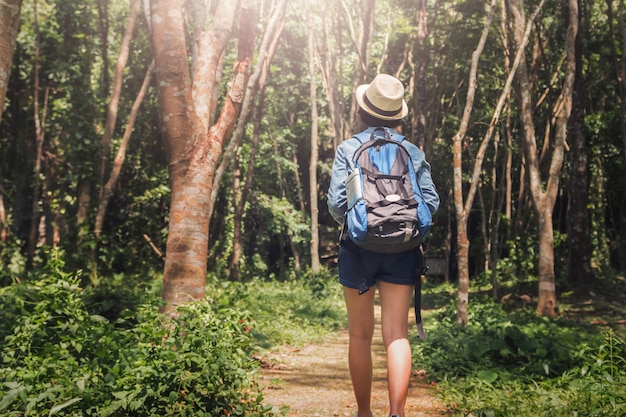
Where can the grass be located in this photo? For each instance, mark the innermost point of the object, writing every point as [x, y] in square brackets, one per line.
[285, 312]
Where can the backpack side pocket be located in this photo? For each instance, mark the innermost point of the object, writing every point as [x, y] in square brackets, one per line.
[354, 188]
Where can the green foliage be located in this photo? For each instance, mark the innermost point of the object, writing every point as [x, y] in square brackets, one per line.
[12, 260]
[499, 343]
[513, 363]
[59, 358]
[295, 312]
[595, 387]
[522, 258]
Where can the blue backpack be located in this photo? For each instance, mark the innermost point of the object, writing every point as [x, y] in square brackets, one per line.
[386, 208]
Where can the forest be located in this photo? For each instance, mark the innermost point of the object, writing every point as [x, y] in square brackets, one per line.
[164, 166]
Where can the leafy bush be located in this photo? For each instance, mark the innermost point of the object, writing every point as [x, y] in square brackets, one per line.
[513, 363]
[12, 261]
[59, 359]
[596, 387]
[498, 343]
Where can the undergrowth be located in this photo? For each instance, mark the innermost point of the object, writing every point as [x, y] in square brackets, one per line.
[68, 350]
[84, 351]
[508, 362]
[285, 312]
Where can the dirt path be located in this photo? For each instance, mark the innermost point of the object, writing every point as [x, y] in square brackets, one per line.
[314, 381]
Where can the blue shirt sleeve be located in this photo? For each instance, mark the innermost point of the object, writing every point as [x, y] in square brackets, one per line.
[337, 201]
[424, 178]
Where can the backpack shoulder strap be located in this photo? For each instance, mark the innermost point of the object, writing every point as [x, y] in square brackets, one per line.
[371, 138]
[364, 137]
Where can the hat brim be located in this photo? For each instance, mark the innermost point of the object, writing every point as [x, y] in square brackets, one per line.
[360, 93]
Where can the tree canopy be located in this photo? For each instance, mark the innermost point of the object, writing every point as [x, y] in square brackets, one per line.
[88, 162]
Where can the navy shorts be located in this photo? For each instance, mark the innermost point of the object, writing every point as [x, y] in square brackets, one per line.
[361, 269]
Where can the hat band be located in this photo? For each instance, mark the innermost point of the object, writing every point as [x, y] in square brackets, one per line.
[378, 110]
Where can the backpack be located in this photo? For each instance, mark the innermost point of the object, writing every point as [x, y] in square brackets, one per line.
[386, 209]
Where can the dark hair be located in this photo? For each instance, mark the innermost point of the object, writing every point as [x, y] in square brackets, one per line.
[373, 121]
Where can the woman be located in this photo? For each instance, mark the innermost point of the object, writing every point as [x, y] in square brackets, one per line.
[381, 104]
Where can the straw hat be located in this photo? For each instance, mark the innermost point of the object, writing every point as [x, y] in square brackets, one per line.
[383, 98]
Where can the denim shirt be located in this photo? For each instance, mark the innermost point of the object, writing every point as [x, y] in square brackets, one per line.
[337, 201]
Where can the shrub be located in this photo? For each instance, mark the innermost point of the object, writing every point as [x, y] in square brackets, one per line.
[510, 364]
[597, 387]
[59, 359]
[499, 343]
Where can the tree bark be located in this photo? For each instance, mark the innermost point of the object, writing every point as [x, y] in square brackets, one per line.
[103, 23]
[313, 192]
[361, 42]
[266, 53]
[10, 11]
[419, 128]
[120, 157]
[329, 61]
[4, 227]
[508, 180]
[234, 270]
[84, 203]
[620, 65]
[39, 117]
[462, 209]
[193, 148]
[543, 202]
[116, 92]
[185, 263]
[578, 226]
[240, 203]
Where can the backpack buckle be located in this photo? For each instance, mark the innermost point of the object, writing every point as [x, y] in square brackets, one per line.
[408, 230]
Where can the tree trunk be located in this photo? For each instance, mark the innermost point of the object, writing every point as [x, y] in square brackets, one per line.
[269, 43]
[39, 117]
[10, 11]
[462, 208]
[120, 157]
[4, 227]
[82, 214]
[508, 180]
[419, 126]
[618, 50]
[116, 92]
[299, 193]
[185, 261]
[328, 64]
[544, 201]
[462, 241]
[501, 195]
[234, 270]
[547, 285]
[447, 249]
[103, 23]
[313, 192]
[235, 267]
[361, 42]
[193, 148]
[578, 227]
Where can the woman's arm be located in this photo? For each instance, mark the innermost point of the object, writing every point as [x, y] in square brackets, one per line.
[424, 179]
[337, 201]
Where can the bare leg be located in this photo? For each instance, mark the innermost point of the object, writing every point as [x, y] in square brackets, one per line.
[395, 301]
[361, 330]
